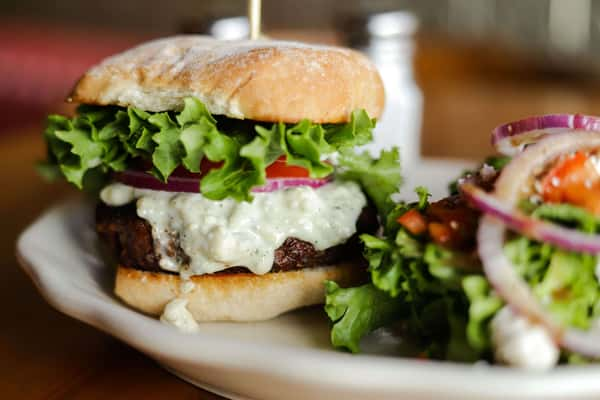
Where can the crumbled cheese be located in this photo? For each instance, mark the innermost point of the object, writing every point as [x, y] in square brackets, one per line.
[487, 172]
[520, 343]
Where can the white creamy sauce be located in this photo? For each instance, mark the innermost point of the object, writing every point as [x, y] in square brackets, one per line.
[220, 234]
[520, 343]
[187, 286]
[117, 194]
[177, 315]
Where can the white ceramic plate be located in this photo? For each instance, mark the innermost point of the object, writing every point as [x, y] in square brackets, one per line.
[288, 357]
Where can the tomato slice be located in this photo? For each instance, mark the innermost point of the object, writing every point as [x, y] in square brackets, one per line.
[575, 179]
[279, 169]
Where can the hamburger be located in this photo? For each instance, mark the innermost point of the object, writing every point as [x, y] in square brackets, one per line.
[229, 185]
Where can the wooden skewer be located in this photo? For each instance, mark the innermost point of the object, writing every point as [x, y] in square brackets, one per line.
[254, 11]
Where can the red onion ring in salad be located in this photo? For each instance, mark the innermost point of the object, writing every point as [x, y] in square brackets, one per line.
[508, 284]
[144, 180]
[502, 275]
[566, 238]
[509, 139]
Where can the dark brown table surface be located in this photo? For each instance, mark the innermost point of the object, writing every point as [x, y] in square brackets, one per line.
[46, 355]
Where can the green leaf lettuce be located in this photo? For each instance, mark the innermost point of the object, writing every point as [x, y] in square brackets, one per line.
[103, 139]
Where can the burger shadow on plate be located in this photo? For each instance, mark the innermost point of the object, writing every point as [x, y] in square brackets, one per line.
[81, 230]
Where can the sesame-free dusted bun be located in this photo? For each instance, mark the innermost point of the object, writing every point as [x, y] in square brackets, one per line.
[262, 80]
[235, 296]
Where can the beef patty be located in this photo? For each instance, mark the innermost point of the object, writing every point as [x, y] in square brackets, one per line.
[129, 238]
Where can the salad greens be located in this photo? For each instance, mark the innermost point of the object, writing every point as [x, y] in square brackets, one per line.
[358, 311]
[436, 297]
[85, 149]
[420, 279]
[379, 178]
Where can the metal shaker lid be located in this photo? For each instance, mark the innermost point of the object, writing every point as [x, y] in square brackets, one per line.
[230, 28]
[358, 31]
[392, 24]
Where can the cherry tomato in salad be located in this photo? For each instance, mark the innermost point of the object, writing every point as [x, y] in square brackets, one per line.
[449, 222]
[413, 221]
[574, 179]
[453, 223]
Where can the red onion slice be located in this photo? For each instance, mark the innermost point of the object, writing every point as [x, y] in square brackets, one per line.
[502, 275]
[569, 239]
[509, 139]
[283, 183]
[144, 180]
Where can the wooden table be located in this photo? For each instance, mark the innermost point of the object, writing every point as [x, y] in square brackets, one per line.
[46, 355]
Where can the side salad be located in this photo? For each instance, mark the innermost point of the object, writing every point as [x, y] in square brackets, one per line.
[504, 269]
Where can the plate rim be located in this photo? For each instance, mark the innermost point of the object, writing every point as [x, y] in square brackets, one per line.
[394, 374]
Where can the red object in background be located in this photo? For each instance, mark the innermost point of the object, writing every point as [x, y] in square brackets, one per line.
[39, 64]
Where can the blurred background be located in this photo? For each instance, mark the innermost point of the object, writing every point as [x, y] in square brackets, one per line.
[453, 70]
[477, 63]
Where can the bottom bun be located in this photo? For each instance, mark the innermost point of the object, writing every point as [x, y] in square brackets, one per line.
[233, 297]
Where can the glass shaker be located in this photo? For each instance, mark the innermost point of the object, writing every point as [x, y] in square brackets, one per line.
[387, 39]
